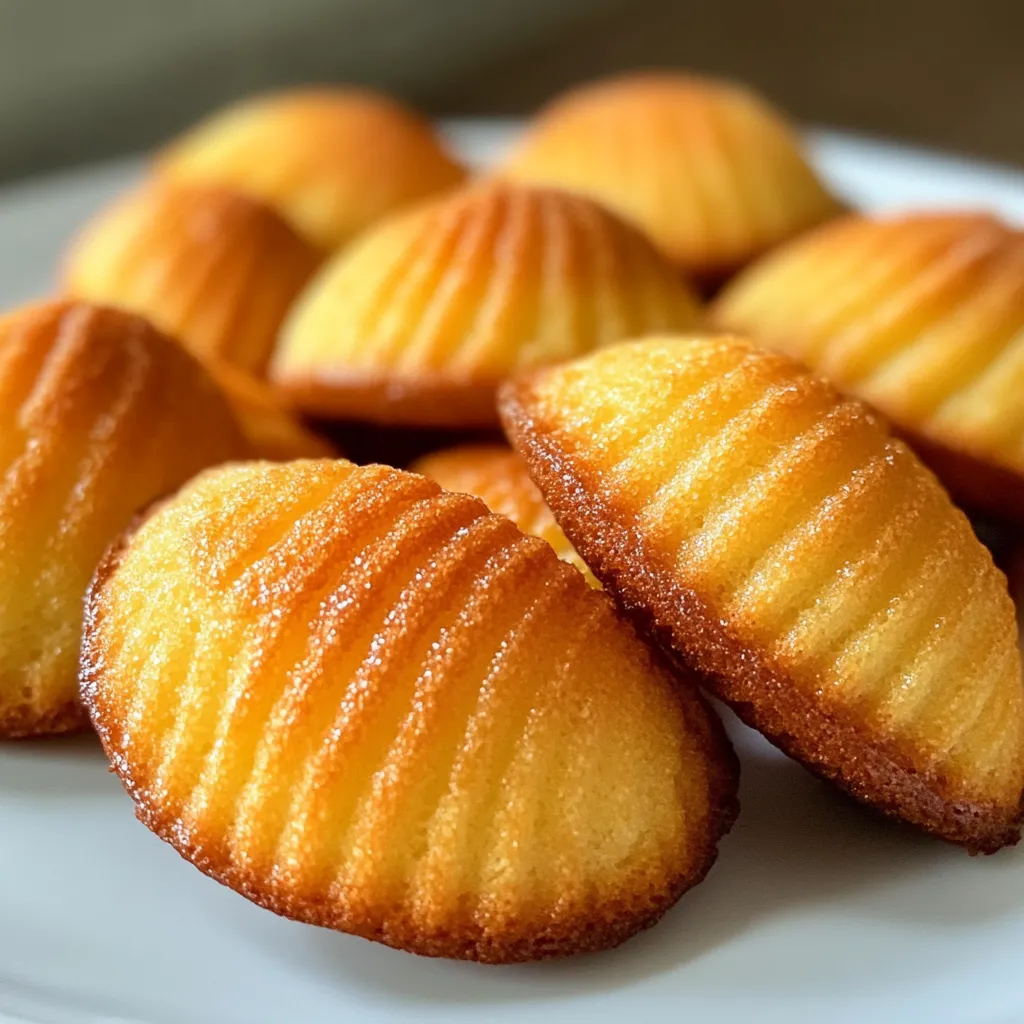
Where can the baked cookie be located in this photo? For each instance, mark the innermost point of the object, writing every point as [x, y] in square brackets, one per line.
[331, 161]
[923, 317]
[499, 477]
[707, 168]
[776, 537]
[369, 704]
[99, 416]
[419, 321]
[213, 269]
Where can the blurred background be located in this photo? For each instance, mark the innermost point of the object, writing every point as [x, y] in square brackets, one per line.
[86, 79]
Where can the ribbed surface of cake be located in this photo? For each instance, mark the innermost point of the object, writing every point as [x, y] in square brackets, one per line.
[373, 705]
[213, 269]
[421, 319]
[708, 169]
[499, 477]
[331, 161]
[922, 316]
[99, 416]
[803, 561]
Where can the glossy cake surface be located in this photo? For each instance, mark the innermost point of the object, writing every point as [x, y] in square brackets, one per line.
[420, 320]
[99, 416]
[369, 704]
[923, 317]
[805, 563]
[213, 269]
[707, 168]
[499, 477]
[331, 161]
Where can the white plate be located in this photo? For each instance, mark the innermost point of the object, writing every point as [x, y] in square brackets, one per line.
[816, 910]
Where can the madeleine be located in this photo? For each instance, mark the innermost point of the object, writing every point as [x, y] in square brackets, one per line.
[369, 704]
[213, 269]
[707, 168]
[330, 161]
[419, 321]
[777, 538]
[101, 415]
[271, 429]
[499, 477]
[923, 317]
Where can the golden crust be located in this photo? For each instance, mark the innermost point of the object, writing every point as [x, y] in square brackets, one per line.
[331, 161]
[923, 317]
[100, 416]
[784, 546]
[1014, 565]
[271, 429]
[213, 269]
[421, 320]
[499, 478]
[435, 400]
[707, 168]
[368, 704]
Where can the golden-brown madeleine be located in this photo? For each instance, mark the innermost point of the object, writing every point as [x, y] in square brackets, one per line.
[707, 168]
[420, 320]
[272, 430]
[778, 539]
[923, 317]
[1008, 552]
[499, 477]
[99, 416]
[369, 704]
[214, 269]
[331, 161]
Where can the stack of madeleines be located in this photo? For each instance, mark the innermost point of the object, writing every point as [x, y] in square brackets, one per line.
[460, 708]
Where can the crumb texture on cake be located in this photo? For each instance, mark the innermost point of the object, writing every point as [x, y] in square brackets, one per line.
[499, 477]
[921, 315]
[369, 704]
[777, 537]
[707, 168]
[99, 416]
[215, 270]
[421, 319]
[331, 161]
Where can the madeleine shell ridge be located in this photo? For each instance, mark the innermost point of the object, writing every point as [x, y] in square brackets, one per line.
[707, 168]
[368, 704]
[923, 317]
[212, 268]
[101, 416]
[421, 319]
[784, 546]
[499, 478]
[330, 161]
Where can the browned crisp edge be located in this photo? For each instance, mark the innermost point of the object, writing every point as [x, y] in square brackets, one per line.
[26, 722]
[831, 745]
[973, 481]
[427, 400]
[462, 938]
